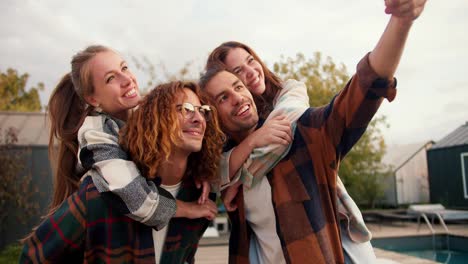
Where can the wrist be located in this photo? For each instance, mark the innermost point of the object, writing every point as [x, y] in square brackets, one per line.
[251, 142]
[182, 209]
[402, 22]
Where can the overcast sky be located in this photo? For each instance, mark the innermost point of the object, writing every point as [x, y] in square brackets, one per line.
[39, 37]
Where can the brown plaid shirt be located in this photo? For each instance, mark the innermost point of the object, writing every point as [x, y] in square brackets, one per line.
[303, 184]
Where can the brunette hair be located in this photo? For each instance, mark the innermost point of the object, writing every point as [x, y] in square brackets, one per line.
[217, 58]
[153, 130]
[67, 110]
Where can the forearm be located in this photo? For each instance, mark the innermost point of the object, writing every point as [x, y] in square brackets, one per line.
[385, 57]
[239, 156]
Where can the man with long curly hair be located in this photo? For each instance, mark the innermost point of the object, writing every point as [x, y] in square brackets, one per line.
[174, 138]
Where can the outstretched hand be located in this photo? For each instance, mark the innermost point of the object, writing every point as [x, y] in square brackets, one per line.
[405, 9]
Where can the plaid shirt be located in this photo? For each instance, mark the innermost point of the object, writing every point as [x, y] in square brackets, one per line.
[86, 230]
[116, 176]
[292, 102]
[304, 182]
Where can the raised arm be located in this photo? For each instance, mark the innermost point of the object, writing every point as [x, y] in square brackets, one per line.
[385, 57]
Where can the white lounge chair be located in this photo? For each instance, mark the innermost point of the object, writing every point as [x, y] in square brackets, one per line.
[438, 211]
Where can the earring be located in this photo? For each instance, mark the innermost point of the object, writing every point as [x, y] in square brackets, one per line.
[98, 109]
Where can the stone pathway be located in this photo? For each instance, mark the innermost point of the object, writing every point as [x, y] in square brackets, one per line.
[215, 250]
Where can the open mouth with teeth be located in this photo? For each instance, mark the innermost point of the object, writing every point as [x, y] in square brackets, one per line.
[243, 110]
[254, 82]
[131, 93]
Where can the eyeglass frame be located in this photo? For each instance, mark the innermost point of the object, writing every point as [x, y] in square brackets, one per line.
[188, 110]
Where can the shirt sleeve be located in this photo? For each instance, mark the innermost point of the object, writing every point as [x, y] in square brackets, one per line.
[117, 178]
[223, 171]
[291, 102]
[350, 111]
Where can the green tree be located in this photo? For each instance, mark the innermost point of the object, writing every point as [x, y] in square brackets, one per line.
[17, 192]
[13, 93]
[361, 170]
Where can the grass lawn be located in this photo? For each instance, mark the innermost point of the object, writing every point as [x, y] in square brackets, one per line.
[10, 254]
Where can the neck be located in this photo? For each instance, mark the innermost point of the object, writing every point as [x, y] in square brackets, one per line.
[123, 115]
[172, 171]
[239, 136]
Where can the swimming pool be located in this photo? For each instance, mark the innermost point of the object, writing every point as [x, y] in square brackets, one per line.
[448, 248]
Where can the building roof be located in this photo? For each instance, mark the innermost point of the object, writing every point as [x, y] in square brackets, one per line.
[458, 137]
[32, 127]
[398, 155]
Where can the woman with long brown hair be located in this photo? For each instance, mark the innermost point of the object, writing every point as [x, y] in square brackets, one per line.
[86, 110]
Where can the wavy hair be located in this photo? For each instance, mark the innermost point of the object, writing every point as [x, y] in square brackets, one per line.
[67, 110]
[153, 130]
[217, 58]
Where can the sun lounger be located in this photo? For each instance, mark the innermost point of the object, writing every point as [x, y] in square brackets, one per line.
[435, 210]
[438, 211]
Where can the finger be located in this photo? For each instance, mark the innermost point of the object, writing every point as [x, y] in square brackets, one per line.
[279, 117]
[411, 13]
[391, 3]
[210, 216]
[205, 191]
[287, 138]
[215, 211]
[281, 137]
[211, 207]
[211, 203]
[283, 122]
[400, 9]
[405, 8]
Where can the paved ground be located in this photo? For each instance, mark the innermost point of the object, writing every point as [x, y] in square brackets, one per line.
[215, 250]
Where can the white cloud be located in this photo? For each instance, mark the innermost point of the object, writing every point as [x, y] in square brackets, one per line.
[39, 37]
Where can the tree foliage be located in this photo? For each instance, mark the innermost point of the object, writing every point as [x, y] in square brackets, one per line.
[13, 93]
[362, 170]
[17, 204]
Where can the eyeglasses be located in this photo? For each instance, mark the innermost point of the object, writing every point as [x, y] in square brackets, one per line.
[188, 110]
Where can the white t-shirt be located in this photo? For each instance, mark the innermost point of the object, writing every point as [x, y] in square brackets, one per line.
[261, 217]
[160, 236]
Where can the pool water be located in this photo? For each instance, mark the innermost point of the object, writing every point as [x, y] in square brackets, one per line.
[443, 256]
[440, 248]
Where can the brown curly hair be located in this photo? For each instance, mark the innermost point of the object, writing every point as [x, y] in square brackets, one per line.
[153, 129]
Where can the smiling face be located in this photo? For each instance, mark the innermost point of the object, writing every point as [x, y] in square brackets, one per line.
[249, 70]
[115, 87]
[234, 103]
[192, 124]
